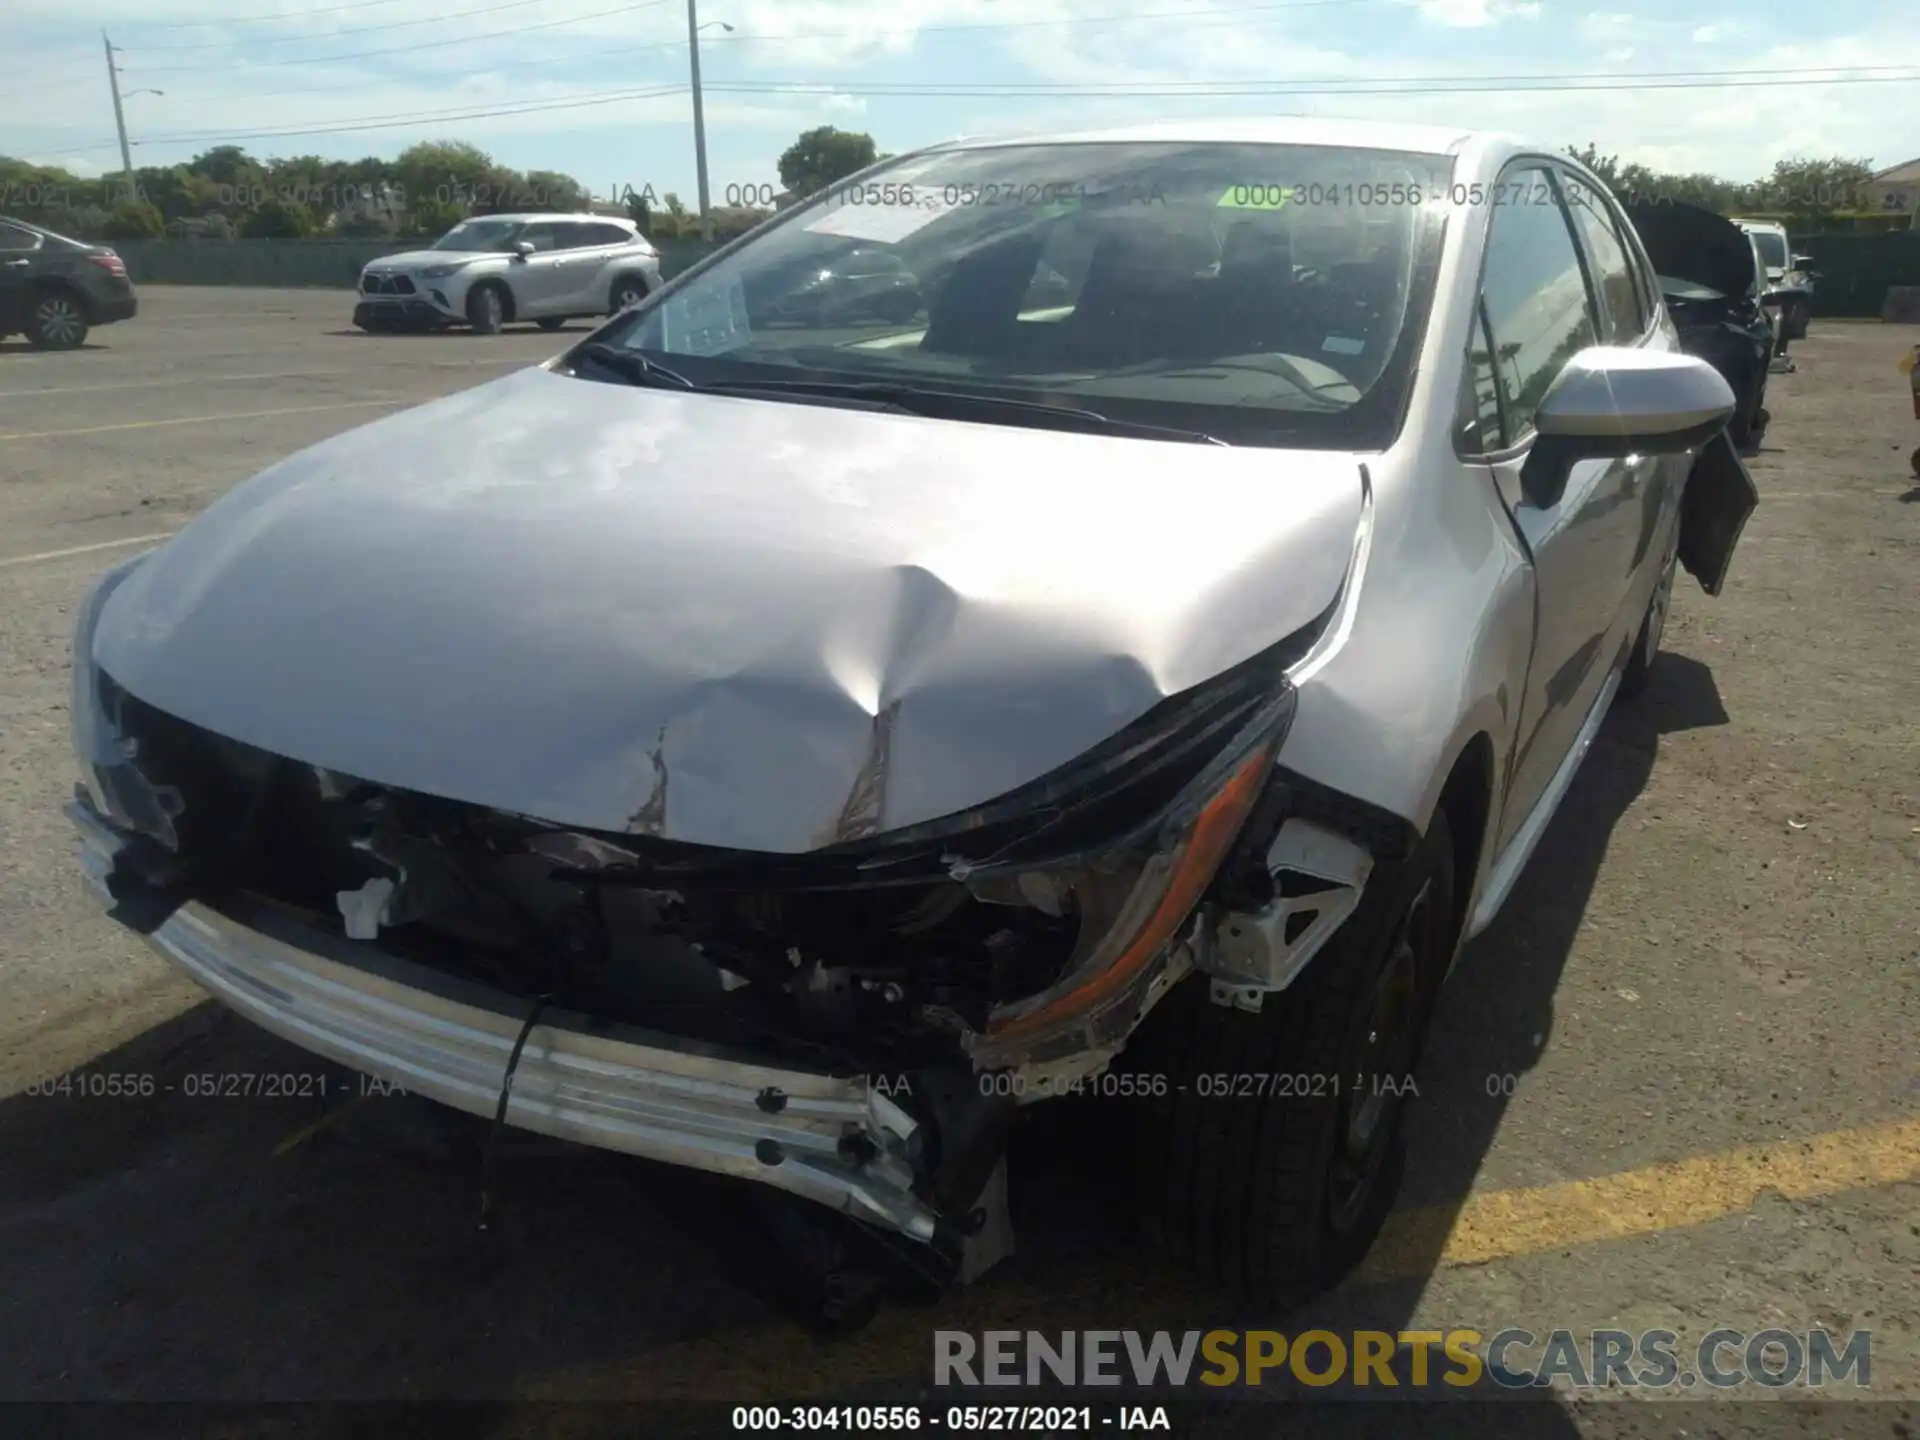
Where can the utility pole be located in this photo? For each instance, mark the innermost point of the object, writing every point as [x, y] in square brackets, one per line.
[699, 121]
[119, 116]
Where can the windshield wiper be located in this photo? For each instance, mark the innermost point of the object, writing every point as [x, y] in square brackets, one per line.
[1276, 366]
[633, 367]
[957, 404]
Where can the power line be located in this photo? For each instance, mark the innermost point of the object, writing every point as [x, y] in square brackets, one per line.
[146, 70]
[1548, 84]
[1215, 87]
[280, 18]
[82, 149]
[1427, 85]
[1209, 13]
[401, 121]
[1406, 85]
[333, 34]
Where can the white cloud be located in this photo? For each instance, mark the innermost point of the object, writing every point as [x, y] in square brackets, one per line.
[1609, 25]
[1471, 14]
[74, 164]
[1620, 55]
[1707, 34]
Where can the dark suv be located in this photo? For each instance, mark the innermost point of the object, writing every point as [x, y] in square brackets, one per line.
[55, 289]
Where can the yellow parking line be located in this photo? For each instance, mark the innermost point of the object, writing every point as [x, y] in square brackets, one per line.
[1504, 1223]
[784, 1361]
[205, 419]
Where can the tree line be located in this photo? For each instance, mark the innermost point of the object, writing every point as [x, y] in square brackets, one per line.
[1808, 194]
[225, 192]
[429, 187]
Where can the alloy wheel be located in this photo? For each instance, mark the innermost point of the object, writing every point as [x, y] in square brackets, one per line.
[59, 322]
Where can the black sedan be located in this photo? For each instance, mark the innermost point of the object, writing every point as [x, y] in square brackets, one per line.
[54, 289]
[1714, 291]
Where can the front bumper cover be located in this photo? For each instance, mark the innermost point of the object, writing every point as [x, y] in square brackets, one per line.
[834, 1139]
[402, 309]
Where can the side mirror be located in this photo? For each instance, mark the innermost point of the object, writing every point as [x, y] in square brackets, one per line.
[523, 248]
[1611, 401]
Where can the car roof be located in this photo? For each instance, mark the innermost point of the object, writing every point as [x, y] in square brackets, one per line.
[525, 216]
[1275, 130]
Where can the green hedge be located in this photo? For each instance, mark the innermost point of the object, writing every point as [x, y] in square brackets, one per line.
[1856, 269]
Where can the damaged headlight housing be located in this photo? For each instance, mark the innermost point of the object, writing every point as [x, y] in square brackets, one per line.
[1095, 1003]
[1201, 762]
[117, 789]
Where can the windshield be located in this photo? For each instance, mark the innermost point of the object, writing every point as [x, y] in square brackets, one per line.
[1265, 294]
[1772, 247]
[475, 235]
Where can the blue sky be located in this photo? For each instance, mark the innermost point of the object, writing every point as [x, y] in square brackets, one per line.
[914, 71]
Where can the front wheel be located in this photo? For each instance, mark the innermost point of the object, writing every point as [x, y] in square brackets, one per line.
[486, 311]
[1273, 1152]
[57, 322]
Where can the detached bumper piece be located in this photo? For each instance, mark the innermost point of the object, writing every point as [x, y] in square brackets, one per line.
[832, 1139]
[390, 314]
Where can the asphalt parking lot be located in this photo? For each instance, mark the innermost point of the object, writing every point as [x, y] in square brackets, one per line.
[1676, 1086]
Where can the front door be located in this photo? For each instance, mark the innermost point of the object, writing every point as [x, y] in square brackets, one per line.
[1536, 312]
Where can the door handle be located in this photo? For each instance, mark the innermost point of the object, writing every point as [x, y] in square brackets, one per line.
[17, 264]
[1636, 465]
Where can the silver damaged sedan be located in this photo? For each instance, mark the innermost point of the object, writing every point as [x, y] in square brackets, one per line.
[788, 740]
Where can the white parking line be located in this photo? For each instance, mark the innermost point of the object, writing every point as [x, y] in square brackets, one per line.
[250, 376]
[44, 555]
[209, 419]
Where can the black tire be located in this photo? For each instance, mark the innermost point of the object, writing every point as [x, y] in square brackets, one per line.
[1916, 461]
[626, 290]
[486, 309]
[56, 319]
[551, 322]
[1799, 314]
[1646, 645]
[1259, 1189]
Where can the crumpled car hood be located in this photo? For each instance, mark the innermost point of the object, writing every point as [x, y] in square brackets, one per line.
[704, 617]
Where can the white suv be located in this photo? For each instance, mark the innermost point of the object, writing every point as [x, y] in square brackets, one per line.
[495, 269]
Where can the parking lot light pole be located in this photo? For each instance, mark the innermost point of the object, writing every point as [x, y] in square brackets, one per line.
[699, 121]
[120, 119]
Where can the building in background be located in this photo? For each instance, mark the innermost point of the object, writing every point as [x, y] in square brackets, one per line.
[1896, 189]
